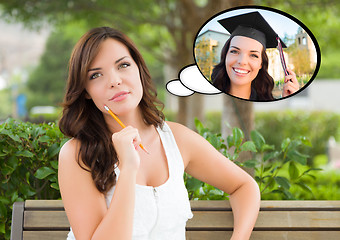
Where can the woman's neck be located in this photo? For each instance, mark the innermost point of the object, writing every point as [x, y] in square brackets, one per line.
[243, 91]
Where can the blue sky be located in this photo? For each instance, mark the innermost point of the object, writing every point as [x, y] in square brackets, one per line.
[280, 23]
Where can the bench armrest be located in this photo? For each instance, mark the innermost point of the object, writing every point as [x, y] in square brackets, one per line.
[17, 221]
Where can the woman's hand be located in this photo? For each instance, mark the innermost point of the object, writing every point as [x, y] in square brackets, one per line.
[291, 84]
[126, 142]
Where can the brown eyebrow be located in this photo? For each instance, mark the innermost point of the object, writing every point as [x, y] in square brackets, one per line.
[117, 61]
[120, 59]
[240, 49]
[93, 69]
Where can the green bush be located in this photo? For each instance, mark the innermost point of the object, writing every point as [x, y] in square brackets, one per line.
[276, 169]
[28, 159]
[28, 163]
[317, 126]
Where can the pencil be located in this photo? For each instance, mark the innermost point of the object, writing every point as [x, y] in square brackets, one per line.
[121, 124]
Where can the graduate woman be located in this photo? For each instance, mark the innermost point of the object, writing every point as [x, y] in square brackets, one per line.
[242, 71]
[110, 187]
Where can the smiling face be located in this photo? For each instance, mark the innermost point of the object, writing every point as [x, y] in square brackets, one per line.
[243, 62]
[113, 78]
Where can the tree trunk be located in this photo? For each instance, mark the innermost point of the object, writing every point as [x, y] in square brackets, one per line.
[238, 113]
[192, 17]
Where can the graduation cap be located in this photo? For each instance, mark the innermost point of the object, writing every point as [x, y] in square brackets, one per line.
[254, 26]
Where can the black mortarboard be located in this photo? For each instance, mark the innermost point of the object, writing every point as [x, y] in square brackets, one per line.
[254, 26]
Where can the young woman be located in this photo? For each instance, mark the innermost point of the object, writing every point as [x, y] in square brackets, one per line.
[111, 189]
[243, 69]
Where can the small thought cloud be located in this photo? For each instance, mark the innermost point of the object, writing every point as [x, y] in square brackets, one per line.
[190, 81]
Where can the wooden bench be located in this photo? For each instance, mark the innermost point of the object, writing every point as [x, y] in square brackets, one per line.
[213, 220]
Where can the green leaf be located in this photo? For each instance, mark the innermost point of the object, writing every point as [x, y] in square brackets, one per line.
[230, 141]
[266, 147]
[13, 162]
[305, 141]
[293, 171]
[234, 157]
[14, 196]
[257, 139]
[285, 144]
[25, 153]
[248, 146]
[199, 125]
[11, 135]
[2, 227]
[44, 138]
[270, 155]
[311, 169]
[38, 131]
[283, 182]
[6, 170]
[216, 192]
[55, 186]
[53, 150]
[4, 200]
[304, 186]
[3, 211]
[297, 157]
[26, 190]
[193, 184]
[54, 164]
[250, 163]
[43, 172]
[238, 136]
[214, 141]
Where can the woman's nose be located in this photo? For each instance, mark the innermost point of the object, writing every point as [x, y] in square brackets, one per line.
[242, 59]
[114, 79]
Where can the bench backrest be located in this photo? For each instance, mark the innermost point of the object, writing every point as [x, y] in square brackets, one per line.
[312, 220]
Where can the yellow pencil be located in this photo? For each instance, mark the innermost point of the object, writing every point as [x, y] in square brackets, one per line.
[121, 124]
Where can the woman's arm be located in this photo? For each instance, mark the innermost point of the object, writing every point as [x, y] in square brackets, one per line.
[205, 163]
[85, 206]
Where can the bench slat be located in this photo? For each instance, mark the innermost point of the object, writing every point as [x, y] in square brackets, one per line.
[279, 220]
[214, 204]
[40, 220]
[267, 205]
[266, 235]
[50, 235]
[204, 235]
[266, 219]
[209, 219]
[44, 204]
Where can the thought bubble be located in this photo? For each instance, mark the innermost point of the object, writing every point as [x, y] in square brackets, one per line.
[190, 81]
[208, 49]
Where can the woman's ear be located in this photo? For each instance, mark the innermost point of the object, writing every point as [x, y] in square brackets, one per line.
[87, 96]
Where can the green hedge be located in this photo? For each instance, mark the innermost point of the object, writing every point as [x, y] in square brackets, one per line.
[29, 152]
[28, 163]
[275, 126]
[317, 126]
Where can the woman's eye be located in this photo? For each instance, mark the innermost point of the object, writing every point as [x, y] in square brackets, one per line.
[95, 75]
[254, 56]
[123, 65]
[233, 51]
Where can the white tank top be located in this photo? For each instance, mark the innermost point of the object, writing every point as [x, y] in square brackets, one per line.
[160, 212]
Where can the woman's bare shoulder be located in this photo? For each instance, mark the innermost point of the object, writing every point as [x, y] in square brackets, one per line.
[178, 129]
[186, 139]
[69, 153]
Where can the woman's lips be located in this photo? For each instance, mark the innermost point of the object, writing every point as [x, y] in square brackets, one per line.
[119, 96]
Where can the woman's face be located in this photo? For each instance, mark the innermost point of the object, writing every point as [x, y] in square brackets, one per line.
[113, 78]
[243, 60]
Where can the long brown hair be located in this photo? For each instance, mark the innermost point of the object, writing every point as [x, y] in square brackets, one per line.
[263, 82]
[83, 121]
